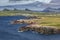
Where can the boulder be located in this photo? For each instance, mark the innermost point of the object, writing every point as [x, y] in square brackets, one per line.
[41, 30]
[24, 29]
[22, 21]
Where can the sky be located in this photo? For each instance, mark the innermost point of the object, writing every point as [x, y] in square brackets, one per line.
[6, 2]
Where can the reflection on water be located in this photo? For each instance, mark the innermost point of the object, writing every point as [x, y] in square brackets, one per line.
[10, 32]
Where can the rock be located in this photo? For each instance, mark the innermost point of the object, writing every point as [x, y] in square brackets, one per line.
[22, 21]
[57, 31]
[17, 22]
[24, 29]
[41, 30]
[33, 17]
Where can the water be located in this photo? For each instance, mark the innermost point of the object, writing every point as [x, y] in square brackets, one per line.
[10, 32]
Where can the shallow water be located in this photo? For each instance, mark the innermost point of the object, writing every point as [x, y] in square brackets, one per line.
[10, 32]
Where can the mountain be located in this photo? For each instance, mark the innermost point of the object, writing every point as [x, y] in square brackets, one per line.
[55, 1]
[49, 9]
[35, 6]
[53, 6]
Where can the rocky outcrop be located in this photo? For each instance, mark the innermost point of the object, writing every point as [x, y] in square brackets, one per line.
[41, 29]
[30, 21]
[33, 25]
[16, 22]
[33, 17]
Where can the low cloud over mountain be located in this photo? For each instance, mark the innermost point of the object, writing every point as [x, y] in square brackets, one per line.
[35, 5]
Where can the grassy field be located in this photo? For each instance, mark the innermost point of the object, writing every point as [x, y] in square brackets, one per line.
[13, 13]
[48, 19]
[16, 13]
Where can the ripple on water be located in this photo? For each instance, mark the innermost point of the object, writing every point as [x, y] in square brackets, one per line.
[10, 32]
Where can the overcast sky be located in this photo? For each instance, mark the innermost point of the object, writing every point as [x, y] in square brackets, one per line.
[6, 2]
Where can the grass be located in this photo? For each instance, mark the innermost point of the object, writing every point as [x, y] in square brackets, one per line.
[13, 13]
[48, 19]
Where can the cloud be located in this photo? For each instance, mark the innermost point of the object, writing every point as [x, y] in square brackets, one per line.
[20, 0]
[7, 2]
[55, 1]
[46, 1]
[15, 2]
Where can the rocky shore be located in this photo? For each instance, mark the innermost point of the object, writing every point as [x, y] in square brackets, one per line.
[40, 29]
[33, 25]
[23, 21]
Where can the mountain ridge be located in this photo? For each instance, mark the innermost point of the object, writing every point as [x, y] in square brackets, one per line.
[35, 6]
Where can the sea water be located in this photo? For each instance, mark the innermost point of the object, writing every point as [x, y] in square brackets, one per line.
[9, 31]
